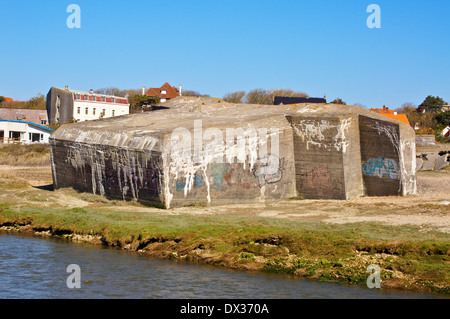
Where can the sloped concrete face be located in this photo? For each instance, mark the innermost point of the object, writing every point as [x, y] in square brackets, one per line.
[327, 157]
[207, 151]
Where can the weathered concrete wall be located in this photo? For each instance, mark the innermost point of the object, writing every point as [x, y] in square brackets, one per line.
[352, 158]
[204, 150]
[238, 171]
[64, 112]
[117, 173]
[380, 147]
[319, 145]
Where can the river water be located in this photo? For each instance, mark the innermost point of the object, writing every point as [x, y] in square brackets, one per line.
[32, 267]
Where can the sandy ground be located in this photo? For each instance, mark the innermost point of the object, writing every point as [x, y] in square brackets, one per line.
[429, 209]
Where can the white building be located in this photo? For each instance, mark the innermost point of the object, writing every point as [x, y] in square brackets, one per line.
[65, 105]
[23, 132]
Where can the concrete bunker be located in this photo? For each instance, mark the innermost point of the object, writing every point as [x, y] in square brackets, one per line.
[207, 151]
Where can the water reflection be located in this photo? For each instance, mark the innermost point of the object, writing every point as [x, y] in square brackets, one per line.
[32, 267]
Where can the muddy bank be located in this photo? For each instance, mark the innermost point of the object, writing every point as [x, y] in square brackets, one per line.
[273, 253]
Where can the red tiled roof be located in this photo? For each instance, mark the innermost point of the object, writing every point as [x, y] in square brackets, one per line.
[392, 114]
[171, 92]
[9, 100]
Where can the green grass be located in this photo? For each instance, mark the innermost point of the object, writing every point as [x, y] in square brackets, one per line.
[316, 250]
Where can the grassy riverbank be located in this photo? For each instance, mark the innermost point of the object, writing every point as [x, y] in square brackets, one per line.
[407, 237]
[306, 249]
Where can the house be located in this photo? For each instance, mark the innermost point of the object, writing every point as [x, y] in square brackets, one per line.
[35, 116]
[10, 100]
[65, 105]
[295, 100]
[23, 132]
[421, 110]
[391, 114]
[445, 108]
[165, 92]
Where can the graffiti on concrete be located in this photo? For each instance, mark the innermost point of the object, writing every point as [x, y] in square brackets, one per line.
[381, 167]
[269, 170]
[198, 182]
[320, 179]
[237, 176]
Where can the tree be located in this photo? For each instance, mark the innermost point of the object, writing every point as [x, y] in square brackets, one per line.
[131, 95]
[338, 101]
[111, 91]
[286, 92]
[415, 118]
[2, 99]
[443, 118]
[432, 103]
[193, 93]
[37, 102]
[235, 97]
[140, 102]
[258, 96]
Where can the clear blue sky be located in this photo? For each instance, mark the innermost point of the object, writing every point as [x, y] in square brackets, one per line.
[215, 47]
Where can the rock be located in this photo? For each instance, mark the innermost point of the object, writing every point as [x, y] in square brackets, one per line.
[301, 272]
[441, 162]
[430, 163]
[425, 140]
[419, 163]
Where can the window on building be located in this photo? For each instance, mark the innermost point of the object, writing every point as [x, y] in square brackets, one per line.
[113, 112]
[16, 136]
[103, 99]
[35, 137]
[113, 100]
[79, 110]
[163, 92]
[87, 111]
[93, 111]
[43, 122]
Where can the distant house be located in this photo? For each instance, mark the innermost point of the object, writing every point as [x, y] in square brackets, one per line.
[295, 100]
[445, 108]
[23, 132]
[421, 110]
[8, 100]
[391, 114]
[35, 116]
[165, 92]
[64, 105]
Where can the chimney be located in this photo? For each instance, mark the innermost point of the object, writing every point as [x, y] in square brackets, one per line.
[384, 107]
[67, 88]
[143, 90]
[180, 90]
[91, 91]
